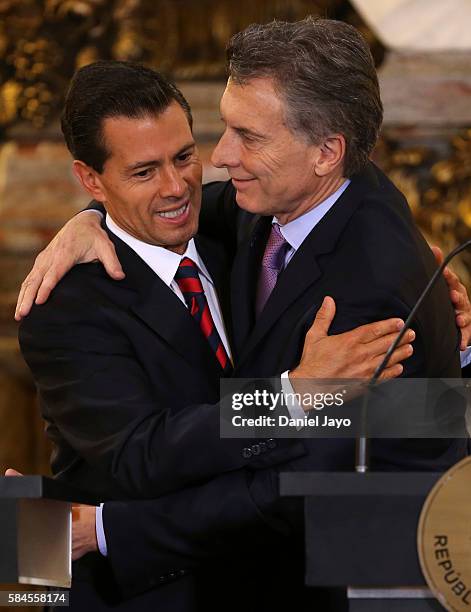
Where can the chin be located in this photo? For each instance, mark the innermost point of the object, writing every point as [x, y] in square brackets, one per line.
[250, 204]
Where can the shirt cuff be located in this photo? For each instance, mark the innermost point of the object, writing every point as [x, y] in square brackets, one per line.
[294, 409]
[100, 532]
[465, 357]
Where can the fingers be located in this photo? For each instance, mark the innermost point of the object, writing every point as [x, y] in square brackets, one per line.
[465, 334]
[323, 320]
[106, 253]
[465, 329]
[83, 530]
[81, 240]
[374, 331]
[453, 281]
[391, 372]
[438, 254]
[39, 283]
[28, 291]
[381, 346]
[20, 309]
[400, 354]
[460, 299]
[51, 278]
[394, 367]
[12, 472]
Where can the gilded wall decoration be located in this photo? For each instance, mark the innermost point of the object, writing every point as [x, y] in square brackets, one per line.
[438, 189]
[42, 42]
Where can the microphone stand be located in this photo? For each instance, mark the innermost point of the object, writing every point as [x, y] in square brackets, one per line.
[362, 443]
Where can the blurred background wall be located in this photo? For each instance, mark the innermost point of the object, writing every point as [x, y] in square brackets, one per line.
[425, 144]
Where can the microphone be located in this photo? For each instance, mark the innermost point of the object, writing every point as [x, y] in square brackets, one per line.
[362, 443]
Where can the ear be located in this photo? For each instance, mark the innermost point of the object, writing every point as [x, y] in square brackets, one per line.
[89, 179]
[331, 154]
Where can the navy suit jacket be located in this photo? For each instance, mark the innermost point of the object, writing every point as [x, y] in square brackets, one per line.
[369, 256]
[129, 387]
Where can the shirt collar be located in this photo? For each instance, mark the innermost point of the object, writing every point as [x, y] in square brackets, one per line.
[162, 261]
[297, 230]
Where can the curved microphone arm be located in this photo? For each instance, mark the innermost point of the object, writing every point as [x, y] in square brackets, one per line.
[362, 440]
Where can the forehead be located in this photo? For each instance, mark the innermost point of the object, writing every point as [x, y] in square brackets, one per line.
[255, 103]
[158, 135]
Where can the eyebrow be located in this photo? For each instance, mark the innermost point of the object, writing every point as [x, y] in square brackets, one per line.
[156, 162]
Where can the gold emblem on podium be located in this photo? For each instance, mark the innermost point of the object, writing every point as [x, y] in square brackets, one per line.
[444, 538]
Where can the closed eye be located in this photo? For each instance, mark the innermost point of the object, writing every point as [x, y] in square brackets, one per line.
[143, 173]
[183, 157]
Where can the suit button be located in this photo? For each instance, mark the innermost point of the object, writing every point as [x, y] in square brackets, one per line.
[263, 447]
[246, 453]
[172, 575]
[256, 449]
[271, 443]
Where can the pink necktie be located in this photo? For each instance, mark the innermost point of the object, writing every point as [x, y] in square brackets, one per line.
[272, 264]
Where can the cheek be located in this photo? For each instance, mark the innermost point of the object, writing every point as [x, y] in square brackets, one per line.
[194, 172]
[268, 165]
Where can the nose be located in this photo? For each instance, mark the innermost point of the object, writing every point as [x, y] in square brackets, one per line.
[226, 152]
[172, 183]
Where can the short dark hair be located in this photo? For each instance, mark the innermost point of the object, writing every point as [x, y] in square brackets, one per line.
[324, 71]
[107, 89]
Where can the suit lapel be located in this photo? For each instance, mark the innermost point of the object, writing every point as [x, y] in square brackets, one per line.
[306, 267]
[163, 312]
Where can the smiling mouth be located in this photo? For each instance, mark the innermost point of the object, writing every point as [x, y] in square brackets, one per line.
[173, 214]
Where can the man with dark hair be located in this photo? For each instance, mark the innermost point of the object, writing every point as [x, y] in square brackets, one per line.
[327, 222]
[108, 90]
[128, 372]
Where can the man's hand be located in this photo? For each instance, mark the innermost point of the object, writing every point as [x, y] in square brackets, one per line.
[83, 531]
[81, 240]
[459, 298]
[354, 354]
[12, 472]
[83, 526]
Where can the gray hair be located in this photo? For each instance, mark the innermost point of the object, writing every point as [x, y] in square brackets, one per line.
[325, 73]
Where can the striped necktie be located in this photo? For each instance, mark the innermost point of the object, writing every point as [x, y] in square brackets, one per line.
[190, 285]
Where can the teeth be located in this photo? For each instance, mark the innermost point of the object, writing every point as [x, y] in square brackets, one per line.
[173, 213]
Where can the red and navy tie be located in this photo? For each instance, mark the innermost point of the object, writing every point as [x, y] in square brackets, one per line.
[190, 285]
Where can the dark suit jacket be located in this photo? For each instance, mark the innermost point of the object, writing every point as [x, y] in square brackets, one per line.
[369, 256]
[129, 389]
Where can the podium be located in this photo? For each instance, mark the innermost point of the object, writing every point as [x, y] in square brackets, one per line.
[361, 534]
[36, 530]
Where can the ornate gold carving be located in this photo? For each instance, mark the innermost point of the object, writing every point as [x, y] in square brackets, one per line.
[438, 190]
[42, 42]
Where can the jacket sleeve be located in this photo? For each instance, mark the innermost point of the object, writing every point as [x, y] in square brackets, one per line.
[100, 402]
[151, 542]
